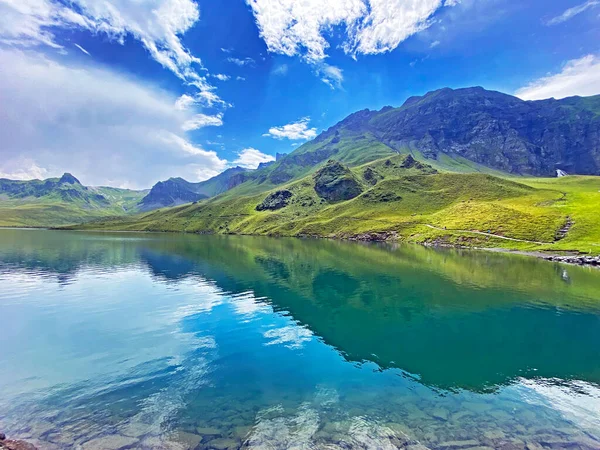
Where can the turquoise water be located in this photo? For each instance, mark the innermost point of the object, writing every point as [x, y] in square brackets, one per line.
[158, 341]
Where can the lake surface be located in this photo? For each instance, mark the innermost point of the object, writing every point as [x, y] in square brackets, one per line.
[156, 341]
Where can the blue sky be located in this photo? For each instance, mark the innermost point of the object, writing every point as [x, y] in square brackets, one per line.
[126, 93]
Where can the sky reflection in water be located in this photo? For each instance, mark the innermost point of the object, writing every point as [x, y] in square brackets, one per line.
[169, 341]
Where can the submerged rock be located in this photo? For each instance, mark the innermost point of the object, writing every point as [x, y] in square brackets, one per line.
[14, 444]
[110, 442]
[440, 413]
[224, 444]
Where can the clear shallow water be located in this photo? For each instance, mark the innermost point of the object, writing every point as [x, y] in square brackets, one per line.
[172, 341]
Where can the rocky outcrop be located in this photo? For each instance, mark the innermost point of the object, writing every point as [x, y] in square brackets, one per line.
[275, 200]
[335, 182]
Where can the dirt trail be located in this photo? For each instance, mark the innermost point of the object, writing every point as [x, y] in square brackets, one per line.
[487, 234]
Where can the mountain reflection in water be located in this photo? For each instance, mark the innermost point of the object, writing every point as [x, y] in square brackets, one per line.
[386, 331]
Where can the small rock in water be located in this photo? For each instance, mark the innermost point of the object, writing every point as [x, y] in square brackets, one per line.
[451, 445]
[189, 440]
[208, 431]
[494, 434]
[10, 444]
[2, 436]
[224, 444]
[111, 442]
[440, 413]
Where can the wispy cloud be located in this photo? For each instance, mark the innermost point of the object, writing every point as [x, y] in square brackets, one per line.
[82, 49]
[281, 69]
[294, 131]
[201, 121]
[250, 158]
[331, 75]
[241, 62]
[572, 12]
[221, 77]
[578, 77]
[157, 25]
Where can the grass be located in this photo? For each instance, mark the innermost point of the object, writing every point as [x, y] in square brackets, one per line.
[405, 201]
[53, 211]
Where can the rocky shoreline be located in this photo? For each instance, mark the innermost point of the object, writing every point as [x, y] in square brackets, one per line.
[576, 259]
[14, 444]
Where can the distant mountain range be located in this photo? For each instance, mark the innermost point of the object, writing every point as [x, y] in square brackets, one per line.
[462, 130]
[61, 201]
[176, 191]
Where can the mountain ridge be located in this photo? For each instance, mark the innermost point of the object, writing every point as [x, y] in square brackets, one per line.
[469, 127]
[60, 201]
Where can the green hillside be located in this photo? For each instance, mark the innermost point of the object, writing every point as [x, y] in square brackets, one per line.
[61, 201]
[399, 198]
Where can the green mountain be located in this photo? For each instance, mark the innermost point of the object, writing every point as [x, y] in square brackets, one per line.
[398, 198]
[176, 191]
[61, 201]
[463, 130]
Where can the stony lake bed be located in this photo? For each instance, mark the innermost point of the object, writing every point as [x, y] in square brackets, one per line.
[169, 341]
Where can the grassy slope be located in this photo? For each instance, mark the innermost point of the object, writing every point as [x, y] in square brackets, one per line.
[51, 210]
[405, 201]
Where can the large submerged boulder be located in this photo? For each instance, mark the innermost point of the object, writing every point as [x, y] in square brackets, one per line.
[275, 200]
[335, 182]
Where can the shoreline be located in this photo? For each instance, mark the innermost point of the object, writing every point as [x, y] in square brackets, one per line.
[573, 257]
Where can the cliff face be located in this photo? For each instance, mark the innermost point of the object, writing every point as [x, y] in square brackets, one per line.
[489, 128]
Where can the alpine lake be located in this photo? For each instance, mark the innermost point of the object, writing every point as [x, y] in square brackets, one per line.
[174, 341]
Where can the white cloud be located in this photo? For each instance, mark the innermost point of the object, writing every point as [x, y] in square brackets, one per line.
[572, 12]
[331, 75]
[434, 44]
[185, 102]
[578, 77]
[240, 78]
[93, 122]
[204, 98]
[201, 121]
[157, 24]
[241, 62]
[222, 77]
[281, 69]
[82, 49]
[291, 27]
[250, 158]
[23, 169]
[293, 131]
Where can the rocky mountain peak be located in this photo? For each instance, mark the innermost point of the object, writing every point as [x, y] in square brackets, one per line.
[67, 178]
